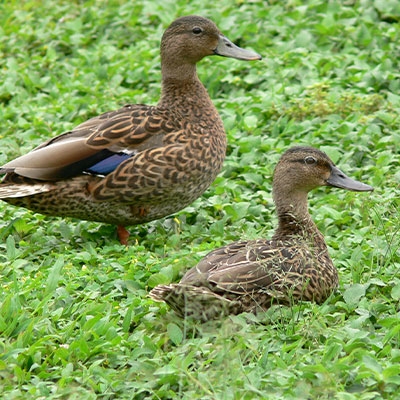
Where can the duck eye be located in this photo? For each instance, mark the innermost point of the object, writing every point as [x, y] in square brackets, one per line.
[310, 160]
[197, 30]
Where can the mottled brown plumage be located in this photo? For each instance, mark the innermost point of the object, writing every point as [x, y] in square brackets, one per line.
[251, 275]
[138, 163]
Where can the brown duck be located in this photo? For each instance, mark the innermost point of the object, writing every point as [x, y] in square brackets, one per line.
[249, 276]
[138, 163]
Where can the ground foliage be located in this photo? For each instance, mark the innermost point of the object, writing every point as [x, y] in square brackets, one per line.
[75, 318]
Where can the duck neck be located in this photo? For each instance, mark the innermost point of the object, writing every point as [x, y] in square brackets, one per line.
[293, 216]
[182, 90]
[176, 71]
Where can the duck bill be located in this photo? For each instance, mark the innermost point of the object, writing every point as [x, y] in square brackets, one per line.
[340, 180]
[226, 48]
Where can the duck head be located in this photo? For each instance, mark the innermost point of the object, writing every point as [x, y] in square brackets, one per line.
[191, 38]
[302, 169]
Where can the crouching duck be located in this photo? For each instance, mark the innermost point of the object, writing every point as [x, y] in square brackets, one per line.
[250, 276]
[138, 163]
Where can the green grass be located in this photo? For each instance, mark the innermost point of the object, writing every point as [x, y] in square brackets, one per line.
[75, 318]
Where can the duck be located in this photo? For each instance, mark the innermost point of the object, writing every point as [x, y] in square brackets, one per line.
[252, 275]
[141, 162]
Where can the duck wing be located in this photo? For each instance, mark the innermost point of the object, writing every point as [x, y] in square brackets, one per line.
[246, 267]
[96, 146]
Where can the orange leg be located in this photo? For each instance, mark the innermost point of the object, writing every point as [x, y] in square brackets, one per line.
[123, 235]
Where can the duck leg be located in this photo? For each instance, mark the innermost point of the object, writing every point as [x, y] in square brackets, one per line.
[123, 235]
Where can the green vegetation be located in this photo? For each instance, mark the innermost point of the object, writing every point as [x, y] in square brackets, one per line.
[75, 318]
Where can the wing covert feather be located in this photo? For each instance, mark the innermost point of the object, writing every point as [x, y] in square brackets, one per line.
[129, 130]
[244, 267]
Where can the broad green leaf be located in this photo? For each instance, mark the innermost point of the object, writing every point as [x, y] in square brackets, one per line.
[396, 292]
[175, 333]
[372, 364]
[11, 250]
[354, 293]
[54, 275]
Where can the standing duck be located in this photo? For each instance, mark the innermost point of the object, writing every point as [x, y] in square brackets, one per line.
[249, 276]
[138, 163]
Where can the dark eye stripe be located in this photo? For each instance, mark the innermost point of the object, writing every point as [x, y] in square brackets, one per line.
[297, 160]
